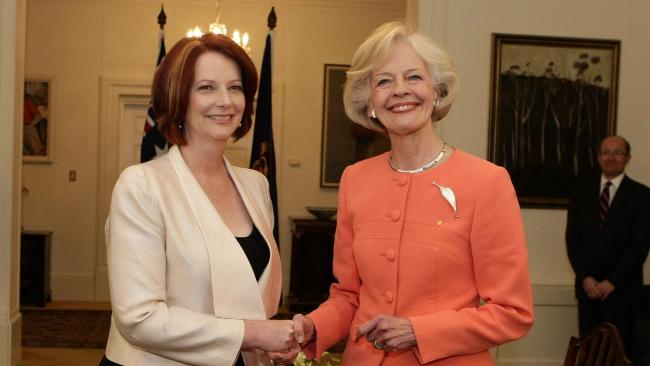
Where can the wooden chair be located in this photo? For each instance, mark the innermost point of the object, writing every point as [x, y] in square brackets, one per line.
[602, 346]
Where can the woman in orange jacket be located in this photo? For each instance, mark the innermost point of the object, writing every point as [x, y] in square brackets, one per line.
[430, 254]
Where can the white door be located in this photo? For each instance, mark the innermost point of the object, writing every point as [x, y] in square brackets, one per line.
[134, 112]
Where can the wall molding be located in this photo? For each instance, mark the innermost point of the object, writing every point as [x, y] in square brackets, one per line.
[554, 295]
[11, 333]
[382, 6]
[102, 292]
[72, 286]
[556, 320]
[114, 91]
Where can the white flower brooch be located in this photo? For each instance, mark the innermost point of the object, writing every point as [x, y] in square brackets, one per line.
[449, 196]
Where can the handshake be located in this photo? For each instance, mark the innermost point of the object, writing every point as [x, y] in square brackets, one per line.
[284, 339]
[281, 339]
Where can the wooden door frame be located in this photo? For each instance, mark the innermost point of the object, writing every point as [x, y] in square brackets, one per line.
[114, 94]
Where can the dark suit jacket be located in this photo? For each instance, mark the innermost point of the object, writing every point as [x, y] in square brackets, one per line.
[616, 251]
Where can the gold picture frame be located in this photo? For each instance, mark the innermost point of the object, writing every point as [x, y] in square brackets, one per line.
[343, 141]
[553, 100]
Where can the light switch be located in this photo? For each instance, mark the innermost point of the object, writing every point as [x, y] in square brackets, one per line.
[294, 162]
[72, 175]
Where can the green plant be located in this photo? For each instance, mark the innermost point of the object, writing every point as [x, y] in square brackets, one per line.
[327, 359]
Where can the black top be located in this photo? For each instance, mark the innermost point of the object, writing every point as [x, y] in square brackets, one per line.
[256, 251]
[258, 255]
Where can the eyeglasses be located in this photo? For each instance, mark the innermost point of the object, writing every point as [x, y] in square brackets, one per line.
[616, 153]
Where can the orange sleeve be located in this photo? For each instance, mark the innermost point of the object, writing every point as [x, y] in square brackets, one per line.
[332, 319]
[500, 262]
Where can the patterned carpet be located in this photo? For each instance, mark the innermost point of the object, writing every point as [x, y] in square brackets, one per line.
[65, 328]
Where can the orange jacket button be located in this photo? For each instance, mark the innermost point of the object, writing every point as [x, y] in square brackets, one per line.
[395, 215]
[388, 296]
[390, 255]
[402, 180]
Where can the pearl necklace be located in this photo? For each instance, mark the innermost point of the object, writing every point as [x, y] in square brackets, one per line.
[422, 168]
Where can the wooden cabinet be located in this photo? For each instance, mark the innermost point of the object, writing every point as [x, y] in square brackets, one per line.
[312, 243]
[35, 268]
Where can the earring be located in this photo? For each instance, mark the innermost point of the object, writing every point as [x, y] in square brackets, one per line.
[435, 104]
[180, 125]
[239, 125]
[372, 114]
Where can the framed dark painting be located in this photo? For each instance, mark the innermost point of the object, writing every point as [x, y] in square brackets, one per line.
[552, 101]
[343, 141]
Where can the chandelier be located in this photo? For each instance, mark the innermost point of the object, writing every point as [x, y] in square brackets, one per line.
[241, 39]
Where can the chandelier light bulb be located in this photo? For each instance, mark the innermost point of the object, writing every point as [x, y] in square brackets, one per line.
[218, 28]
[244, 40]
[194, 32]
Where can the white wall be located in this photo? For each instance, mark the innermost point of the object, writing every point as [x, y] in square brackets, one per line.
[81, 43]
[465, 28]
[12, 42]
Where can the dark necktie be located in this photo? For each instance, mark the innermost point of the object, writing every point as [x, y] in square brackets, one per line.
[604, 203]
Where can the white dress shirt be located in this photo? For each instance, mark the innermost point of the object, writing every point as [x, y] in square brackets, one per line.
[616, 182]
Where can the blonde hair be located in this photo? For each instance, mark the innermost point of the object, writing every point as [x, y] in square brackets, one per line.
[374, 51]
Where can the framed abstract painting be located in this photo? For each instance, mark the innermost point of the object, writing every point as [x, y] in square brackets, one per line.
[37, 120]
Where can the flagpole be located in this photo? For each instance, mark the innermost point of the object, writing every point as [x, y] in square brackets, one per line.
[153, 142]
[272, 20]
[162, 20]
[263, 148]
[162, 17]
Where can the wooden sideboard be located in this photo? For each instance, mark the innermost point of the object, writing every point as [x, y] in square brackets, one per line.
[312, 243]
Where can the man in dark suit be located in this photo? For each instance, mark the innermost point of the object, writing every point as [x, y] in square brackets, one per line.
[607, 240]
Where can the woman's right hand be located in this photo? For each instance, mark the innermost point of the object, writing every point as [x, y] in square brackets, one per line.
[303, 333]
[270, 335]
[304, 328]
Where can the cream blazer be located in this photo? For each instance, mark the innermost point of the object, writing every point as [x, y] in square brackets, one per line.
[180, 283]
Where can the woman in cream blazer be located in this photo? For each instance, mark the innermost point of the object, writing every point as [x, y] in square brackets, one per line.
[183, 289]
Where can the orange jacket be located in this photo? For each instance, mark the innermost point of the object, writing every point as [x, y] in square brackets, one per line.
[400, 250]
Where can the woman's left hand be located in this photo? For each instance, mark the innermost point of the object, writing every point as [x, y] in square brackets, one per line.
[388, 333]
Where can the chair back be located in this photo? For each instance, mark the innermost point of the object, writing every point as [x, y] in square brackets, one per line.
[602, 346]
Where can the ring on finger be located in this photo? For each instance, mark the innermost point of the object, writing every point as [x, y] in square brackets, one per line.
[378, 345]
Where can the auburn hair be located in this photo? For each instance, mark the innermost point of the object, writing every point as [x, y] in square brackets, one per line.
[172, 83]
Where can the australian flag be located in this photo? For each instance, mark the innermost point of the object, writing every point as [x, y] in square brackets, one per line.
[153, 142]
[263, 150]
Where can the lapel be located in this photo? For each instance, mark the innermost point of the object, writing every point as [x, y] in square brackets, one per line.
[235, 292]
[270, 282]
[620, 196]
[594, 200]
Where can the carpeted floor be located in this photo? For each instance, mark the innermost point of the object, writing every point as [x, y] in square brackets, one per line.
[65, 328]
[58, 335]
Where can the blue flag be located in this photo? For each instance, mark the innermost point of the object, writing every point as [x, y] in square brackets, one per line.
[263, 149]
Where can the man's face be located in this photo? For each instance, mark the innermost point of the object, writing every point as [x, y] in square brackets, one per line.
[613, 156]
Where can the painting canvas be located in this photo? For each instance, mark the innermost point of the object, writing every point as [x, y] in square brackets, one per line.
[37, 124]
[343, 141]
[553, 99]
